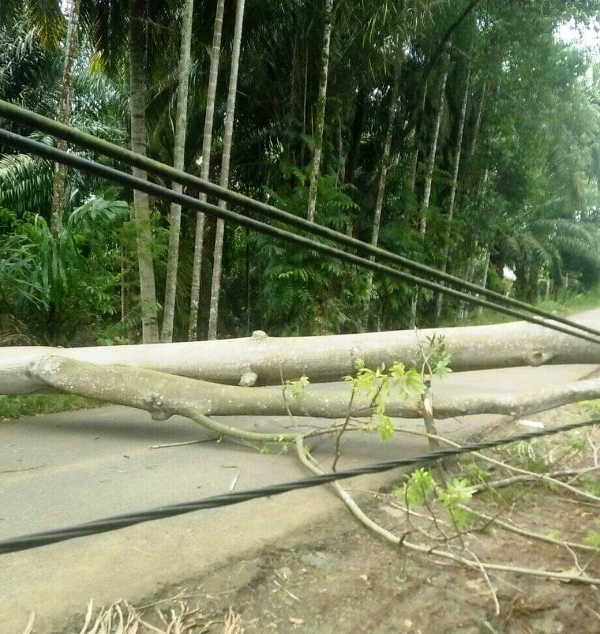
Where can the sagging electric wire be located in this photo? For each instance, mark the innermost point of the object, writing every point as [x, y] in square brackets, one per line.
[132, 159]
[35, 540]
[103, 171]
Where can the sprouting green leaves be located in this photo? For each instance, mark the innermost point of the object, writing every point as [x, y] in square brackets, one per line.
[434, 358]
[378, 384]
[419, 486]
[298, 386]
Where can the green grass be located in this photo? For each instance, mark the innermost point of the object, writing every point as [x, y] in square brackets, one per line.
[38, 404]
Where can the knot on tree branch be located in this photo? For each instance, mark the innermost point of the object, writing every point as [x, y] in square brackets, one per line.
[154, 405]
[538, 357]
[248, 378]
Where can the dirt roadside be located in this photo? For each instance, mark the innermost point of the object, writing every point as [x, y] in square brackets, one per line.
[337, 577]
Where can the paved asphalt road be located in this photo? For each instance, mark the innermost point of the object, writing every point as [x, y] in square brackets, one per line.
[69, 468]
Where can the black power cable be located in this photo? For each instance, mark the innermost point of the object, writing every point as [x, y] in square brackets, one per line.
[69, 134]
[92, 167]
[35, 540]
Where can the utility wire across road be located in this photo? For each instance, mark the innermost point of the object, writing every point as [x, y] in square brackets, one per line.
[35, 540]
[94, 144]
[103, 171]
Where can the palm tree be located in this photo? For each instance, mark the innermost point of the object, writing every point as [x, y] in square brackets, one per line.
[179, 163]
[227, 143]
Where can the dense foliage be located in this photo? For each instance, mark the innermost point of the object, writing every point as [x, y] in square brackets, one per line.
[485, 93]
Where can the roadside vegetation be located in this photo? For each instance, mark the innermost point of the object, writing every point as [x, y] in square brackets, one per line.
[461, 134]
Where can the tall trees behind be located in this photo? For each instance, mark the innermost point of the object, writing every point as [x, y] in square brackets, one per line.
[64, 111]
[462, 134]
[205, 167]
[215, 288]
[320, 109]
[181, 121]
[141, 203]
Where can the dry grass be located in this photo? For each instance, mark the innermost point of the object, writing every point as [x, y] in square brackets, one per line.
[122, 618]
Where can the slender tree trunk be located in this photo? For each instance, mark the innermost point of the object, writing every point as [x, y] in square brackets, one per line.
[432, 157]
[428, 185]
[64, 116]
[227, 143]
[320, 115]
[415, 158]
[141, 203]
[341, 170]
[356, 134]
[478, 120]
[178, 163]
[205, 169]
[385, 160]
[454, 188]
[486, 266]
[462, 307]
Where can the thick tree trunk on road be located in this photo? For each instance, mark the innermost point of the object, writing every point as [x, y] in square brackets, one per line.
[261, 359]
[164, 395]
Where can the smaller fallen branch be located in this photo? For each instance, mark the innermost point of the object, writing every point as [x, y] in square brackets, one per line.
[354, 508]
[527, 476]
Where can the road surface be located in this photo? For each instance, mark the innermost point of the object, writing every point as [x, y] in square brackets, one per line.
[64, 469]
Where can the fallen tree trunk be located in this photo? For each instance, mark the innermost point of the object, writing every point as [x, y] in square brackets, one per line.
[164, 395]
[263, 360]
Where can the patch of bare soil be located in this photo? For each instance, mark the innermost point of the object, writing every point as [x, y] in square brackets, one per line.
[338, 577]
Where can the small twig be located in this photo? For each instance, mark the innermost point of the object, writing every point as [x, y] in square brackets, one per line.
[595, 450]
[487, 580]
[24, 469]
[234, 482]
[587, 607]
[524, 532]
[286, 590]
[30, 623]
[575, 560]
[181, 444]
[489, 627]
[338, 450]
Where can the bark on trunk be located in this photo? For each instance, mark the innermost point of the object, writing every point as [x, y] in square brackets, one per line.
[178, 163]
[141, 203]
[385, 160]
[356, 134]
[64, 116]
[205, 168]
[227, 143]
[431, 158]
[478, 120]
[320, 112]
[428, 185]
[165, 395]
[457, 156]
[261, 359]
[484, 277]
